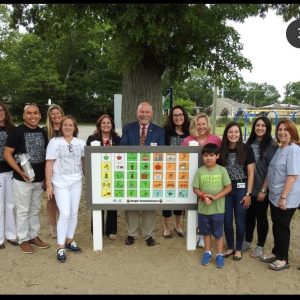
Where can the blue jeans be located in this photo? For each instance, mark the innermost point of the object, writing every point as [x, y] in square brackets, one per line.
[233, 205]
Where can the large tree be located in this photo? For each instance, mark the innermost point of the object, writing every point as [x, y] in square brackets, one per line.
[144, 41]
[253, 93]
[292, 93]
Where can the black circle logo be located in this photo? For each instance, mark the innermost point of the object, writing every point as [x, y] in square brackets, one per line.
[293, 33]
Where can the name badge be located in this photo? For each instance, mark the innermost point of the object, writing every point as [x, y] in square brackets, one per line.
[241, 185]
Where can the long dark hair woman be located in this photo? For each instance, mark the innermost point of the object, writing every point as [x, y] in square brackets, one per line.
[238, 158]
[264, 147]
[176, 129]
[105, 133]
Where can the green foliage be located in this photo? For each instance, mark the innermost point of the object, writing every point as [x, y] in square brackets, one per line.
[292, 93]
[60, 60]
[253, 93]
[141, 41]
[187, 104]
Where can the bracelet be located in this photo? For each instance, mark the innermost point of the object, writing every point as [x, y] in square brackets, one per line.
[202, 197]
[281, 197]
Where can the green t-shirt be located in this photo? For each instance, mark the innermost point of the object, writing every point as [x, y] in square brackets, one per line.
[211, 181]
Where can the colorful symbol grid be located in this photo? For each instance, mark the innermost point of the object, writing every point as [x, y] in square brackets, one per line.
[145, 175]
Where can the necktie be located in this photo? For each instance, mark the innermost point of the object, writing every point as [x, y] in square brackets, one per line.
[143, 136]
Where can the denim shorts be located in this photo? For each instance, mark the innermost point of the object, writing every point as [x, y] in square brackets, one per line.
[211, 224]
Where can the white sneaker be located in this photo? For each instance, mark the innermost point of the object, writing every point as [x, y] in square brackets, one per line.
[258, 251]
[246, 246]
[200, 243]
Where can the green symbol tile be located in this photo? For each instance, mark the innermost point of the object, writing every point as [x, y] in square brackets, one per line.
[132, 175]
[119, 184]
[131, 184]
[144, 193]
[145, 176]
[131, 166]
[145, 166]
[119, 193]
[145, 156]
[145, 184]
[119, 175]
[132, 193]
[131, 156]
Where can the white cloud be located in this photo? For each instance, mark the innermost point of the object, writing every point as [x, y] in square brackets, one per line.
[274, 60]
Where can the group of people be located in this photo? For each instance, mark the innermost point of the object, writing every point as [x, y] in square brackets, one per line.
[257, 173]
[55, 156]
[234, 181]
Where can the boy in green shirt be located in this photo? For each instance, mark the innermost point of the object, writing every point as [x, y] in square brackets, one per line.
[211, 183]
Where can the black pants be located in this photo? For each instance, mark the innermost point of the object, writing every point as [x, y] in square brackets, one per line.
[257, 215]
[168, 213]
[281, 220]
[111, 222]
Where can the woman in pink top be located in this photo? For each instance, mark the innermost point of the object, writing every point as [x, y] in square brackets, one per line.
[200, 131]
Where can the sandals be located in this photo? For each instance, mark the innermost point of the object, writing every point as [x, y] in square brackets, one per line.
[228, 252]
[179, 233]
[168, 236]
[277, 267]
[237, 257]
[112, 236]
[267, 259]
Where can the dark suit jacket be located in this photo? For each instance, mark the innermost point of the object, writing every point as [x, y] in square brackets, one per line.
[131, 135]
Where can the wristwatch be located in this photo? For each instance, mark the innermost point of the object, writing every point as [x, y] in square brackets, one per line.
[248, 194]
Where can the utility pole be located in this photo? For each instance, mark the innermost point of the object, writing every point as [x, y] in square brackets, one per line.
[214, 112]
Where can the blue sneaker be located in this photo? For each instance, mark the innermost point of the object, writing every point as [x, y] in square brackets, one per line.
[220, 261]
[72, 247]
[206, 258]
[61, 255]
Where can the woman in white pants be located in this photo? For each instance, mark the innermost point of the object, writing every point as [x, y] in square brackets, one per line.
[7, 204]
[64, 172]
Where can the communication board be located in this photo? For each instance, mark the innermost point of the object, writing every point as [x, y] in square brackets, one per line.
[135, 177]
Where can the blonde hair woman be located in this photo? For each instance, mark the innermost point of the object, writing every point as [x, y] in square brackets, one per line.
[200, 132]
[54, 117]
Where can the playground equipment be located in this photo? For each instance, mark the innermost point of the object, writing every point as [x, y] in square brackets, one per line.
[254, 114]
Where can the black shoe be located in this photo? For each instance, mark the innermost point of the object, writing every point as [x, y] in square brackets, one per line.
[129, 240]
[179, 233]
[13, 242]
[61, 255]
[150, 241]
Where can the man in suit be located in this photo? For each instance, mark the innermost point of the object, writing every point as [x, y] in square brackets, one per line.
[142, 132]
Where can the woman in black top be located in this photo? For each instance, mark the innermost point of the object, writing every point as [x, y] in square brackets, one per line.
[176, 129]
[238, 158]
[264, 147]
[105, 133]
[7, 205]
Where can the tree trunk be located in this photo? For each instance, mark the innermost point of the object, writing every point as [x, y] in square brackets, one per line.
[142, 84]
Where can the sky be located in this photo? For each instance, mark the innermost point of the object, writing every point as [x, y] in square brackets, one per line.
[273, 59]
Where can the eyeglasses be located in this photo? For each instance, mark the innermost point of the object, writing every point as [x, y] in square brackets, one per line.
[71, 148]
[177, 115]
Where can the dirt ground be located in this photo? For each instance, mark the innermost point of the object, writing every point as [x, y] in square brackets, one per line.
[167, 268]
